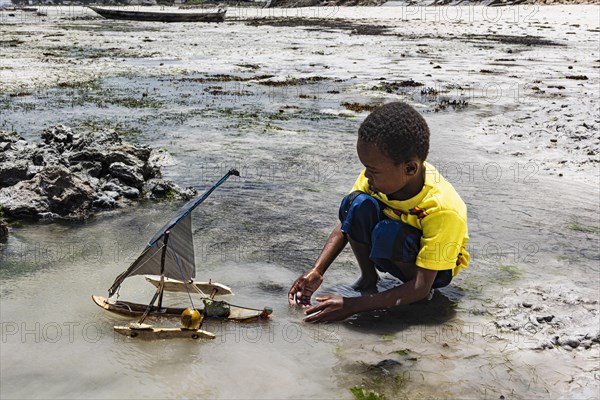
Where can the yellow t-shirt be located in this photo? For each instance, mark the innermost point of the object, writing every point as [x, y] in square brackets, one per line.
[439, 212]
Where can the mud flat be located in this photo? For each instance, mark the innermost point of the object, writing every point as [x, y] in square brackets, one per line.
[548, 117]
[511, 97]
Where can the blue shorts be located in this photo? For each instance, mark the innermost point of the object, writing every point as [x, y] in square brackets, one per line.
[389, 240]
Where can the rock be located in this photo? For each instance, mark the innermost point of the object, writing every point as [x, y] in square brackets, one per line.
[55, 191]
[13, 172]
[94, 155]
[570, 341]
[3, 231]
[46, 156]
[9, 137]
[124, 158]
[130, 193]
[58, 135]
[104, 201]
[527, 305]
[112, 186]
[127, 174]
[142, 153]
[32, 170]
[91, 168]
[157, 189]
[22, 203]
[114, 195]
[156, 160]
[544, 345]
[387, 363]
[103, 139]
[546, 318]
[68, 174]
[586, 344]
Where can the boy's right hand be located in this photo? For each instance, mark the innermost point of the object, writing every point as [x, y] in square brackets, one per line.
[304, 287]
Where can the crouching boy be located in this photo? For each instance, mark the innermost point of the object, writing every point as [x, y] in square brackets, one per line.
[401, 217]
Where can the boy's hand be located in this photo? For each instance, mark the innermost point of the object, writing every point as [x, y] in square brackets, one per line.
[329, 309]
[304, 287]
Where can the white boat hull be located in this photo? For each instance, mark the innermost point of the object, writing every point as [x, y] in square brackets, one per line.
[174, 285]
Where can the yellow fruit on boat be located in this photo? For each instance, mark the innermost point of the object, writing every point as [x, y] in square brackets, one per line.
[191, 318]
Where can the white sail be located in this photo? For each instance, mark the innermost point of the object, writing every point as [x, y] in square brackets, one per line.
[179, 256]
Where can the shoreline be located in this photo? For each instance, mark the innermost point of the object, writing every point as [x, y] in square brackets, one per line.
[536, 120]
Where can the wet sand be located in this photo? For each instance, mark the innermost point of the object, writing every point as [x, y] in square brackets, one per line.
[514, 128]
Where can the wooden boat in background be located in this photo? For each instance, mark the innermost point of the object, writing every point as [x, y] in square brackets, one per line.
[160, 16]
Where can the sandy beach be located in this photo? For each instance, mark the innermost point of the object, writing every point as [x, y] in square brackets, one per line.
[511, 96]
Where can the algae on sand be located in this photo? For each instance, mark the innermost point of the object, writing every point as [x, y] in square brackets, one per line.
[510, 272]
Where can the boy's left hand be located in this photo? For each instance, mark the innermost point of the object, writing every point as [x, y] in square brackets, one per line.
[329, 309]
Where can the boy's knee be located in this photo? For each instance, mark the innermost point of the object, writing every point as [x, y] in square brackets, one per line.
[396, 240]
[361, 204]
[359, 213]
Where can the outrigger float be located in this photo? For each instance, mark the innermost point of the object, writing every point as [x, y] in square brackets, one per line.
[168, 262]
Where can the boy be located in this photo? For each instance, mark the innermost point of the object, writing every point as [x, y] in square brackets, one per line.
[402, 217]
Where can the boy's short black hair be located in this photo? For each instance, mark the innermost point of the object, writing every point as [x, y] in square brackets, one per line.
[398, 130]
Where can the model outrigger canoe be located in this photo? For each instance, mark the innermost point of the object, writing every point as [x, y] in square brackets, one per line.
[169, 263]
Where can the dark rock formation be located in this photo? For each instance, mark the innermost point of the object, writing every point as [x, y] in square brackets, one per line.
[3, 231]
[69, 175]
[53, 192]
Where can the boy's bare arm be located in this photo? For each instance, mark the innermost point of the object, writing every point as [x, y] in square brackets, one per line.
[336, 308]
[333, 247]
[303, 288]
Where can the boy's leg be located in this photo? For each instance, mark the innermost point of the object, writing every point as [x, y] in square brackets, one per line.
[409, 270]
[359, 214]
[368, 273]
[395, 248]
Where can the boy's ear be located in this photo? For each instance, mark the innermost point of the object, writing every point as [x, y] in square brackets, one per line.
[411, 167]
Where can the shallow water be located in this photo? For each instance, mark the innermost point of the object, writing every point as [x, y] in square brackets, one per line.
[257, 233]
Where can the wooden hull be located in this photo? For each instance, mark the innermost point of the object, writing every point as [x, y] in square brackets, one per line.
[163, 333]
[159, 16]
[173, 285]
[129, 309]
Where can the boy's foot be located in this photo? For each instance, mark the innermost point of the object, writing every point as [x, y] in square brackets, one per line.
[430, 295]
[365, 284]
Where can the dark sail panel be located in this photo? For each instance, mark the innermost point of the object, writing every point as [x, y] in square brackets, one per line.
[181, 213]
[179, 258]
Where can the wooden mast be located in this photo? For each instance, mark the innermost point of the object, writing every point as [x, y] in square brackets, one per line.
[161, 286]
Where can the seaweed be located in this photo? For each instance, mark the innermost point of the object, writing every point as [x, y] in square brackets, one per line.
[358, 107]
[362, 394]
[293, 81]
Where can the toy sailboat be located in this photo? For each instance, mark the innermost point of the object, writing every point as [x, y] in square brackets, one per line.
[169, 263]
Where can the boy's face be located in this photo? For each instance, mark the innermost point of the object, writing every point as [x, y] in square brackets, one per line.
[383, 174]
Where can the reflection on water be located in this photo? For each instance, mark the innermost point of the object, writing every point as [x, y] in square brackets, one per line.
[51, 328]
[257, 242]
[257, 237]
